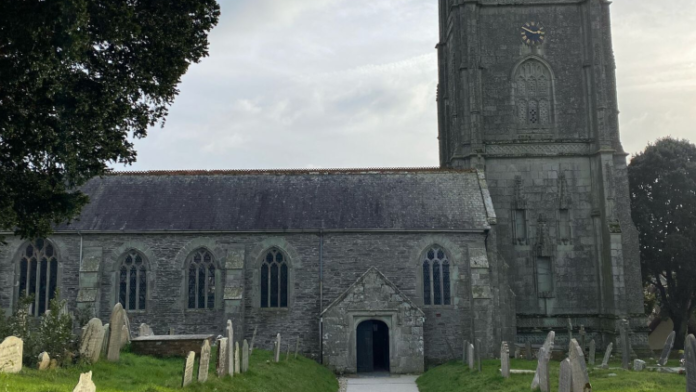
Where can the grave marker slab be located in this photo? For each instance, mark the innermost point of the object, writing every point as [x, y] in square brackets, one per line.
[11, 351]
[565, 380]
[583, 334]
[528, 350]
[638, 365]
[667, 349]
[237, 359]
[581, 380]
[125, 336]
[690, 356]
[145, 330]
[44, 361]
[245, 357]
[277, 349]
[230, 348]
[607, 356]
[505, 360]
[92, 340]
[466, 351]
[188, 370]
[541, 376]
[470, 356]
[222, 357]
[116, 324]
[478, 354]
[85, 384]
[625, 344]
[105, 344]
[204, 362]
[593, 353]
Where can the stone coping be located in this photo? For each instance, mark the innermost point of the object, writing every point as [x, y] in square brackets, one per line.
[166, 338]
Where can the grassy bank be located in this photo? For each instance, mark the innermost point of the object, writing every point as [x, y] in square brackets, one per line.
[455, 377]
[146, 374]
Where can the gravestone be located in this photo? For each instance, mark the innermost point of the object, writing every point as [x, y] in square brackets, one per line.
[607, 356]
[277, 349]
[478, 354]
[583, 334]
[581, 381]
[85, 384]
[466, 351]
[625, 344]
[105, 344]
[470, 357]
[528, 350]
[638, 365]
[116, 324]
[565, 380]
[690, 356]
[505, 360]
[222, 357]
[297, 347]
[44, 361]
[92, 340]
[125, 336]
[593, 353]
[667, 349]
[543, 359]
[245, 357]
[204, 362]
[188, 369]
[230, 348]
[171, 331]
[253, 339]
[237, 359]
[145, 330]
[570, 330]
[11, 351]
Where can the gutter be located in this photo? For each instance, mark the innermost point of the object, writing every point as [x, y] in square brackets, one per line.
[482, 230]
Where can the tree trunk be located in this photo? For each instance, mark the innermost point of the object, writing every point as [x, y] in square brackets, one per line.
[681, 326]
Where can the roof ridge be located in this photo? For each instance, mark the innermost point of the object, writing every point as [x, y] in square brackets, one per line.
[289, 171]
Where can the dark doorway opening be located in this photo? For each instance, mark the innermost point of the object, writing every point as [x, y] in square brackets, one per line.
[373, 347]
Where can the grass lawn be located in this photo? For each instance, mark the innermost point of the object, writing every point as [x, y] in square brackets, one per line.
[455, 377]
[147, 374]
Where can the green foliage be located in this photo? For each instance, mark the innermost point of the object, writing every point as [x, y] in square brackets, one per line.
[663, 206]
[77, 79]
[147, 374]
[455, 377]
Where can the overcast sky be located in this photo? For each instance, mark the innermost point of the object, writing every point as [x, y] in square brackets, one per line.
[351, 83]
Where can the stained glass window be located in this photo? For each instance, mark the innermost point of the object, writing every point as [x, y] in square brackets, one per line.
[201, 280]
[274, 280]
[132, 282]
[38, 275]
[436, 278]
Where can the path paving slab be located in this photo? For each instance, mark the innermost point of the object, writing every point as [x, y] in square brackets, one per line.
[383, 384]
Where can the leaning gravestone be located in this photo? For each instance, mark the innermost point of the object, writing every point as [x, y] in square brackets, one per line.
[188, 370]
[44, 361]
[607, 356]
[11, 351]
[690, 354]
[543, 358]
[470, 357]
[505, 360]
[237, 362]
[669, 343]
[92, 340]
[593, 353]
[638, 365]
[222, 357]
[565, 380]
[581, 381]
[145, 330]
[277, 349]
[85, 384]
[245, 357]
[204, 363]
[116, 325]
[230, 348]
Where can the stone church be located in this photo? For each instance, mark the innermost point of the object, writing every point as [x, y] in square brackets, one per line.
[525, 225]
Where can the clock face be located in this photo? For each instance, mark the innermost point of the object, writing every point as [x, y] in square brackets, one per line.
[533, 33]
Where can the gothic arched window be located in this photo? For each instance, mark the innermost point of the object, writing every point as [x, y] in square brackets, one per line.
[132, 282]
[38, 275]
[436, 277]
[274, 280]
[201, 280]
[533, 95]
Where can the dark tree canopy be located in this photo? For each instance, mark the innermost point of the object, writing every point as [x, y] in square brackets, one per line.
[663, 203]
[78, 78]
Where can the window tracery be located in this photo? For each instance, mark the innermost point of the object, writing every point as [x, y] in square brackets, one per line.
[436, 277]
[201, 280]
[38, 275]
[274, 280]
[132, 287]
[533, 95]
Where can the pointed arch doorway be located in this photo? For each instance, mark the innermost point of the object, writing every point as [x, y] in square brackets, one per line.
[373, 347]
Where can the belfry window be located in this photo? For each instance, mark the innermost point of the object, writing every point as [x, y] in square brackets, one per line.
[38, 275]
[533, 95]
[132, 282]
[436, 278]
[274, 280]
[201, 280]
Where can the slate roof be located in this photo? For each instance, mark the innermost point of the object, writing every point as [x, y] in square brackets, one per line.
[362, 199]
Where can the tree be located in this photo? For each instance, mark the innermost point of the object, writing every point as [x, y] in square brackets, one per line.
[663, 205]
[78, 80]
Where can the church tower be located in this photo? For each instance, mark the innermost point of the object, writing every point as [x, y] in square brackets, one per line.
[527, 94]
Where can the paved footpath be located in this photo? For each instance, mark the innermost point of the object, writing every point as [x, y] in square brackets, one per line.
[383, 384]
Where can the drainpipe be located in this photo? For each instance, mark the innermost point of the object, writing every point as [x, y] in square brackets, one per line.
[321, 296]
[80, 234]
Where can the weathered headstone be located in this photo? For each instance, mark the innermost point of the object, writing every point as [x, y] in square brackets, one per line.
[466, 351]
[470, 357]
[222, 357]
[607, 356]
[253, 339]
[625, 344]
[105, 344]
[145, 330]
[92, 340]
[85, 384]
[541, 376]
[11, 351]
[230, 348]
[581, 380]
[245, 357]
[690, 356]
[124, 336]
[237, 359]
[188, 369]
[44, 361]
[277, 349]
[583, 334]
[528, 350]
[593, 353]
[667, 349]
[565, 380]
[478, 354]
[505, 360]
[116, 325]
[638, 365]
[297, 347]
[204, 362]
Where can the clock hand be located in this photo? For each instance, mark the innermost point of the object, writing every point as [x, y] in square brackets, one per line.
[533, 32]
